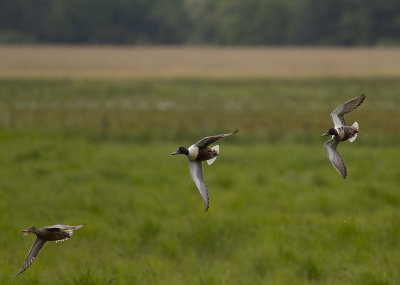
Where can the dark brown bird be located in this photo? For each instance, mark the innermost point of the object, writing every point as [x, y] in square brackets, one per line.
[341, 132]
[48, 233]
[197, 153]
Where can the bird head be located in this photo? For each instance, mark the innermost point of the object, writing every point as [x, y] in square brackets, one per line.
[181, 150]
[331, 131]
[29, 230]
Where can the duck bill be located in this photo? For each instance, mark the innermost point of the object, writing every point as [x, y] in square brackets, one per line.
[177, 152]
[26, 232]
[325, 134]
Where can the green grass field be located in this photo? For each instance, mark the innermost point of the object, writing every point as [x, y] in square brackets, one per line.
[98, 152]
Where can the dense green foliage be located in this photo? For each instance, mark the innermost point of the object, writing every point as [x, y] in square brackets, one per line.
[243, 22]
[98, 152]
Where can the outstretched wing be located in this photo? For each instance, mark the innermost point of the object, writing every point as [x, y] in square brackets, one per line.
[334, 156]
[36, 247]
[54, 228]
[63, 228]
[209, 140]
[338, 114]
[196, 172]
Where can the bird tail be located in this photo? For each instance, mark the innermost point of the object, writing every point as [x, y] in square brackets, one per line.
[354, 127]
[216, 148]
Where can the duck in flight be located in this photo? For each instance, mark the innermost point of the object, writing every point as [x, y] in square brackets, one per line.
[341, 132]
[197, 153]
[48, 233]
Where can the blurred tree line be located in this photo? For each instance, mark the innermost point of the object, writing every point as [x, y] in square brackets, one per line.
[225, 22]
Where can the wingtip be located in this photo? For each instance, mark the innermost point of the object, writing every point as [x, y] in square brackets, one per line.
[206, 205]
[19, 272]
[342, 173]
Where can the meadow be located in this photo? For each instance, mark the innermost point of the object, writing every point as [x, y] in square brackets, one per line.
[98, 152]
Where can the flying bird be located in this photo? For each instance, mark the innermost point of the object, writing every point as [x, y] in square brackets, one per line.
[48, 233]
[197, 153]
[341, 132]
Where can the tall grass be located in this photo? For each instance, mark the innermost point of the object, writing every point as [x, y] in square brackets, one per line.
[146, 110]
[279, 212]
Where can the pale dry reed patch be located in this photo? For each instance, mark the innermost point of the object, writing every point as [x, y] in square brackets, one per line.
[207, 62]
